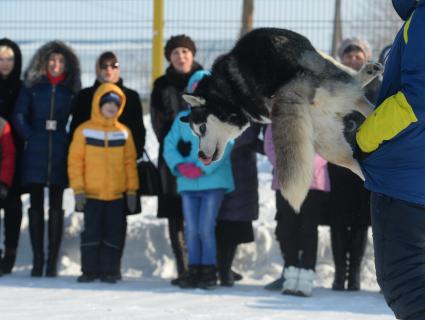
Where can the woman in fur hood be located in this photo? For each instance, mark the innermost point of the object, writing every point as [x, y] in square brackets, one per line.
[40, 117]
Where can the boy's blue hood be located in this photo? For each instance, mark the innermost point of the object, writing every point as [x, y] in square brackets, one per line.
[404, 8]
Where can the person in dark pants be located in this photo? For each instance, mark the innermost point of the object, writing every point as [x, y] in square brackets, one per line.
[108, 71]
[349, 200]
[10, 85]
[40, 118]
[297, 232]
[102, 169]
[240, 207]
[391, 150]
[165, 103]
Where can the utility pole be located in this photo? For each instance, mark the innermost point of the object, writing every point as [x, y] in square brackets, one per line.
[337, 32]
[247, 16]
[158, 39]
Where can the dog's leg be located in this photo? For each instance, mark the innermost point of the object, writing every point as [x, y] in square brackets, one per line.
[293, 141]
[368, 72]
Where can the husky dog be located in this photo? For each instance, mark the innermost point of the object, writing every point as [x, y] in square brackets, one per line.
[276, 75]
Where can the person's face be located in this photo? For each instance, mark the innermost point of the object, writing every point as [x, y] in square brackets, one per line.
[354, 59]
[109, 110]
[109, 72]
[7, 62]
[182, 59]
[56, 64]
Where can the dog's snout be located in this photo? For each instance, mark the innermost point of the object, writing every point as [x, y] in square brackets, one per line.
[202, 155]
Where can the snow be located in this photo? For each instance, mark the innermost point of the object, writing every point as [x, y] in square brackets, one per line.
[148, 265]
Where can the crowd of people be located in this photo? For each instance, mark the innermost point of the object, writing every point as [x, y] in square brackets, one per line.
[56, 135]
[99, 133]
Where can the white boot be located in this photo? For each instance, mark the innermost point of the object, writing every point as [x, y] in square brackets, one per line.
[290, 283]
[305, 282]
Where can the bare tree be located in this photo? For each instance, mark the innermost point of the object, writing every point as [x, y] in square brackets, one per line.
[247, 16]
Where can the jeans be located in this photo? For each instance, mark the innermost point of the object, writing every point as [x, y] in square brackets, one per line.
[200, 210]
[399, 242]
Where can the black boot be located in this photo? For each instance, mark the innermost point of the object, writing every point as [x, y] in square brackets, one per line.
[190, 279]
[8, 261]
[180, 253]
[208, 277]
[358, 241]
[55, 239]
[1, 263]
[36, 227]
[339, 250]
[225, 255]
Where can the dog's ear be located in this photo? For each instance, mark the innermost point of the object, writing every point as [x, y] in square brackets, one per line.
[194, 101]
[185, 119]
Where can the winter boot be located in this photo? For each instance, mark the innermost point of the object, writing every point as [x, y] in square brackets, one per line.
[55, 239]
[291, 275]
[1, 263]
[36, 227]
[237, 276]
[8, 261]
[208, 277]
[276, 285]
[339, 250]
[86, 278]
[225, 259]
[190, 279]
[305, 282]
[357, 249]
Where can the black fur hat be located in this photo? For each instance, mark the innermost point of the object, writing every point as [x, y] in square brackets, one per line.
[181, 40]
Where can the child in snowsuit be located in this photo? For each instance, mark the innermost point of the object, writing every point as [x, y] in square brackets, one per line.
[102, 172]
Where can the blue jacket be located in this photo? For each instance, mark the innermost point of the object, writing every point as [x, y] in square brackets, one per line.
[394, 133]
[44, 158]
[217, 175]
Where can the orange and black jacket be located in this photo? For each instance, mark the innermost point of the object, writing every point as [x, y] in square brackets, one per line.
[102, 155]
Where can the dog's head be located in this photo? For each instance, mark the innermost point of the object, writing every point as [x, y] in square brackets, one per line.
[212, 122]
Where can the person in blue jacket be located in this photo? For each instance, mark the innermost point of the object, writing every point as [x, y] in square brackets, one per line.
[202, 188]
[391, 150]
[40, 118]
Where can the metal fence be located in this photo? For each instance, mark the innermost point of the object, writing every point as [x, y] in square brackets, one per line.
[93, 26]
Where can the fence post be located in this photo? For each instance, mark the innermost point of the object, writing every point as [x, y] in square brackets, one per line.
[157, 39]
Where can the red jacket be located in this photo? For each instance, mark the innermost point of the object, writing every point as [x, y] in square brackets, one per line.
[7, 153]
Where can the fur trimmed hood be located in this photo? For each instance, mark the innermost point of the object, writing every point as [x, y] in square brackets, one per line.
[36, 71]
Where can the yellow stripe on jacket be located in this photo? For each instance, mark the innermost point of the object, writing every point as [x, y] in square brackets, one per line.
[102, 155]
[393, 116]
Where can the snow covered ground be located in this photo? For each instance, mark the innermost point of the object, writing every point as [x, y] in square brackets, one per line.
[148, 266]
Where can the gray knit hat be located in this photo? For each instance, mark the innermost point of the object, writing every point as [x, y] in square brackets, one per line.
[362, 45]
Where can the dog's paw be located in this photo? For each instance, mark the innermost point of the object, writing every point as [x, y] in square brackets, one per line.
[369, 71]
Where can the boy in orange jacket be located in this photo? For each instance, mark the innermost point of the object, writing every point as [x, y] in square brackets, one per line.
[102, 170]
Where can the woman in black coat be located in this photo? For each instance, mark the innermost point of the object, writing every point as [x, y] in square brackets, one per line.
[166, 102]
[10, 85]
[240, 207]
[108, 71]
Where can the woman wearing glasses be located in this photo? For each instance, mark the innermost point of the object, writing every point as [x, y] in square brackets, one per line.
[108, 71]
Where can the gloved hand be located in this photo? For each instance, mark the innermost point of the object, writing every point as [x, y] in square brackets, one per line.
[184, 147]
[189, 170]
[4, 191]
[80, 201]
[131, 202]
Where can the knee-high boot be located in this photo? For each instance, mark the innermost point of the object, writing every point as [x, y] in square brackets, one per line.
[36, 228]
[55, 239]
[357, 247]
[339, 250]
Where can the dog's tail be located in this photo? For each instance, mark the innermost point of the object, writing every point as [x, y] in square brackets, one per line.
[292, 132]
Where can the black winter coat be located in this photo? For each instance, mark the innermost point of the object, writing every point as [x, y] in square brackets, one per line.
[9, 91]
[242, 203]
[166, 102]
[132, 115]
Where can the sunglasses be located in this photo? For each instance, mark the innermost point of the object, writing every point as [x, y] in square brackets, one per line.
[105, 66]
